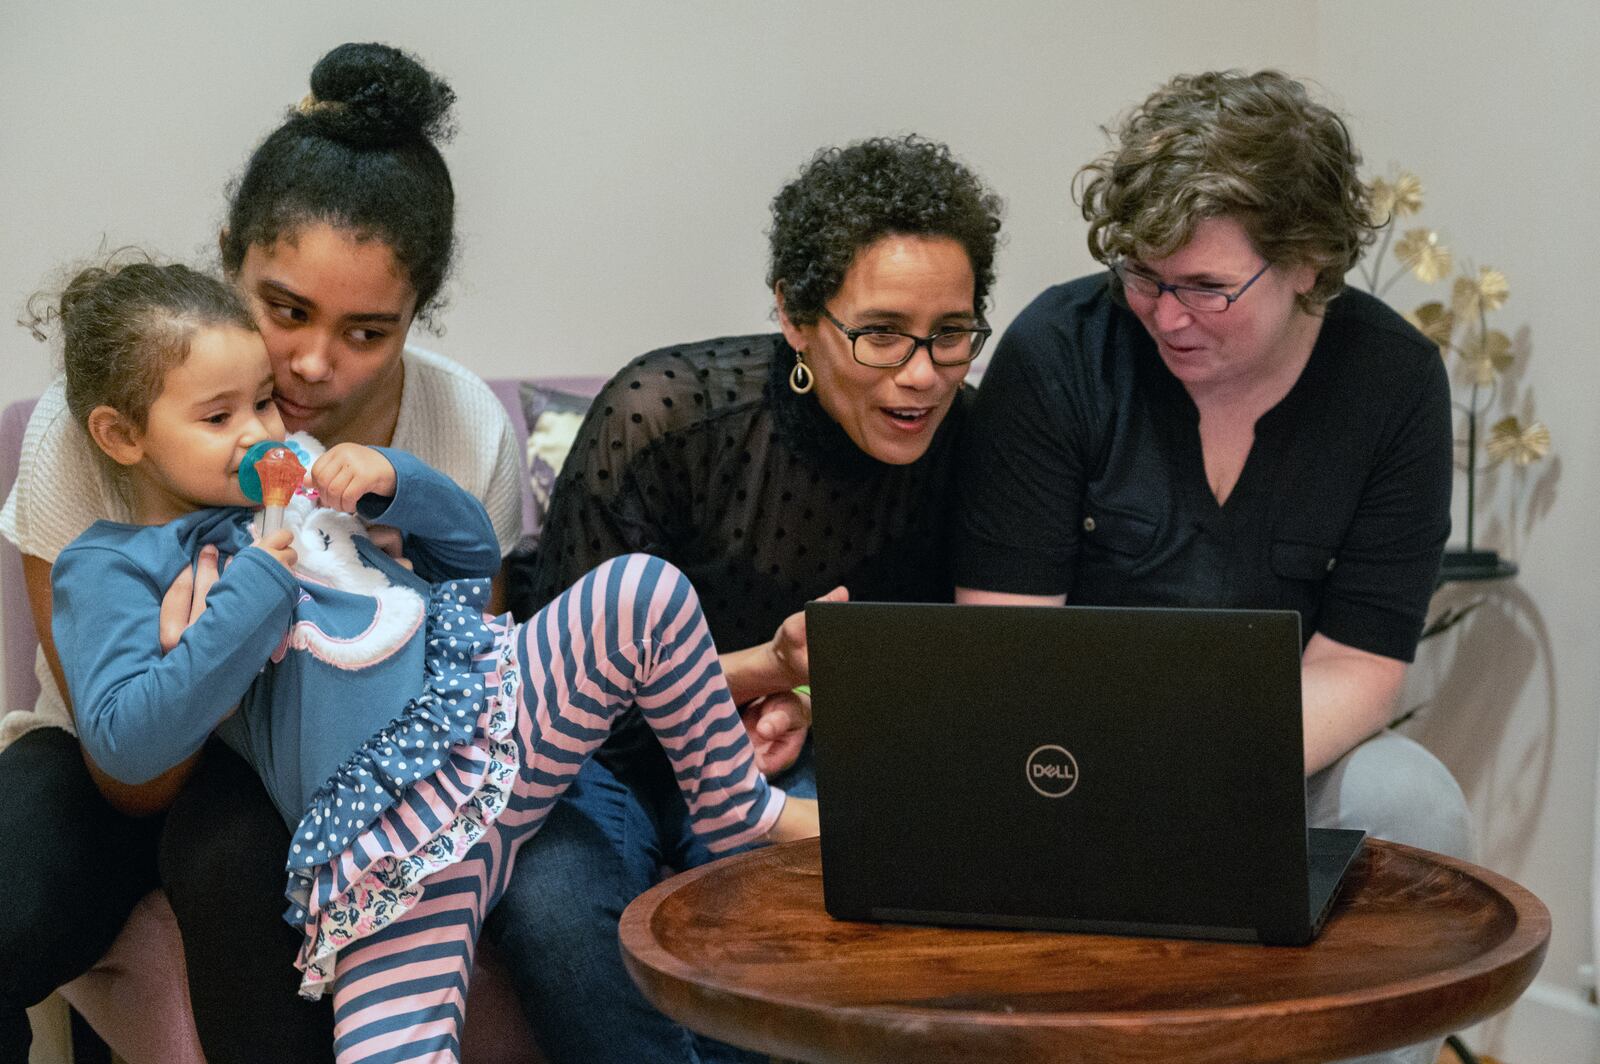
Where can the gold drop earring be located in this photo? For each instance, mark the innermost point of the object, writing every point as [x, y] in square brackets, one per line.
[801, 379]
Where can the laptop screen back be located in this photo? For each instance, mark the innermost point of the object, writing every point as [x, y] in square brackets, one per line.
[1075, 767]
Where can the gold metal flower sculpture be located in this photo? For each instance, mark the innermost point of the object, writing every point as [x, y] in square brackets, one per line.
[1399, 198]
[1508, 440]
[1460, 329]
[1486, 354]
[1421, 253]
[1435, 321]
[1472, 296]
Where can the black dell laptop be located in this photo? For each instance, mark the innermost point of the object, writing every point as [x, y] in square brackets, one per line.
[1129, 771]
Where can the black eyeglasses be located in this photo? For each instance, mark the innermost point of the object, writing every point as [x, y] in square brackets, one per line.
[884, 348]
[1205, 300]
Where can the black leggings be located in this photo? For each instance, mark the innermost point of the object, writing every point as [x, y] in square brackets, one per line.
[222, 862]
[75, 868]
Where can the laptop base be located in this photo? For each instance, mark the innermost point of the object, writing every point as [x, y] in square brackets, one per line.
[1332, 850]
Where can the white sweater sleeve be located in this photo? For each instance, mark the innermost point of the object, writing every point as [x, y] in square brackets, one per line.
[451, 420]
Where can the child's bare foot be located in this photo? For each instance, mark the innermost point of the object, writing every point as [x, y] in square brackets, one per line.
[798, 820]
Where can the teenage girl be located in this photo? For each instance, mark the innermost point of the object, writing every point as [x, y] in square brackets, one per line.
[411, 740]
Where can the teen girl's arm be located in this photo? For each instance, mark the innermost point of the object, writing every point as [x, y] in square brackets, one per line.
[57, 494]
[145, 799]
[141, 713]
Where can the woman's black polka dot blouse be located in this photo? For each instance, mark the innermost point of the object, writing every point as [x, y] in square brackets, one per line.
[701, 454]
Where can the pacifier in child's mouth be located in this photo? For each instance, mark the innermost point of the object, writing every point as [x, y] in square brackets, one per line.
[270, 473]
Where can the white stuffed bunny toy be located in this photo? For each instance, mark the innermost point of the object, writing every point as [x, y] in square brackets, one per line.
[326, 542]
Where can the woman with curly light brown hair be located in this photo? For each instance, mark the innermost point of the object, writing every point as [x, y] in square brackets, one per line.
[1216, 421]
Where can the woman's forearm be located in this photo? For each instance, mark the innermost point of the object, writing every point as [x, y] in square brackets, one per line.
[1348, 695]
[142, 799]
[132, 799]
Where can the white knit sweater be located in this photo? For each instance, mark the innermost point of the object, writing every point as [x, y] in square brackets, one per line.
[448, 417]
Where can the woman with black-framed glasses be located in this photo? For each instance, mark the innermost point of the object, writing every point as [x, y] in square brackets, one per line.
[1215, 421]
[772, 469]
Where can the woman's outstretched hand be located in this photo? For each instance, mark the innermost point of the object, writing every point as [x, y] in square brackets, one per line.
[779, 719]
[777, 724]
[791, 657]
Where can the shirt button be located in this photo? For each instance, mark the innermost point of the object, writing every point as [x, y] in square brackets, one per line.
[1331, 562]
[1088, 524]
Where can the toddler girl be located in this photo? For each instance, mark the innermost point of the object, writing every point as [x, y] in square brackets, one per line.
[414, 741]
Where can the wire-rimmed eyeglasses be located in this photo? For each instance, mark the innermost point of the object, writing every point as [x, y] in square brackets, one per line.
[1205, 300]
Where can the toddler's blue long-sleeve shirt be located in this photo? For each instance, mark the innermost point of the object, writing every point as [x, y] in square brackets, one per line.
[346, 651]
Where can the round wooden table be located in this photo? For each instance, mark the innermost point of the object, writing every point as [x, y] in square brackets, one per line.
[1418, 945]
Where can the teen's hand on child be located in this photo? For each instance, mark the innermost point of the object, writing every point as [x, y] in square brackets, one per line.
[280, 545]
[349, 471]
[777, 725]
[185, 600]
[387, 539]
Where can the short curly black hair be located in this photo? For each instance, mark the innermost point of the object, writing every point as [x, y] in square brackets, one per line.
[847, 198]
[359, 154]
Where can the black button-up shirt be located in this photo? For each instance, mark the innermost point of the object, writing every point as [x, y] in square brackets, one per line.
[1084, 474]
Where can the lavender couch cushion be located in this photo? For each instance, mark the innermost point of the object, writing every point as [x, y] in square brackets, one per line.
[21, 688]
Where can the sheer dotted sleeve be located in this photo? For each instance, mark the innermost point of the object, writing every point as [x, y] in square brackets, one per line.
[701, 454]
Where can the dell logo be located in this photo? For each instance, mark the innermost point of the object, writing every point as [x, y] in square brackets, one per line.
[1051, 771]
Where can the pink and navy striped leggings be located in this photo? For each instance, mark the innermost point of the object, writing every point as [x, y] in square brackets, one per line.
[630, 633]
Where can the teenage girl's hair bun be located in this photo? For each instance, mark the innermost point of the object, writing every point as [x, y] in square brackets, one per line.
[375, 96]
[360, 154]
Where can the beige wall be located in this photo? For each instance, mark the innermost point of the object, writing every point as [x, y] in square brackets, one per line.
[1493, 105]
[615, 163]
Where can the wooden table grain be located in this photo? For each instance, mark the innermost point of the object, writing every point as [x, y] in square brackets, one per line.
[1418, 945]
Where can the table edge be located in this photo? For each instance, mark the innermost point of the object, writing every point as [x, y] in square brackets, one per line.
[1526, 945]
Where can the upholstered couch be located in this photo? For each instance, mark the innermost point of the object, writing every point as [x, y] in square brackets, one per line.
[136, 998]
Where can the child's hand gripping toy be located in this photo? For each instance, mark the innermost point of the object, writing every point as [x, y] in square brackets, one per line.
[271, 472]
[327, 553]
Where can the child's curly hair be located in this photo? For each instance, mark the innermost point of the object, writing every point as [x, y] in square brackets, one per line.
[125, 324]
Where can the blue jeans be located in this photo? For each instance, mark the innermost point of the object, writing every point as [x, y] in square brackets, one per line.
[606, 842]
